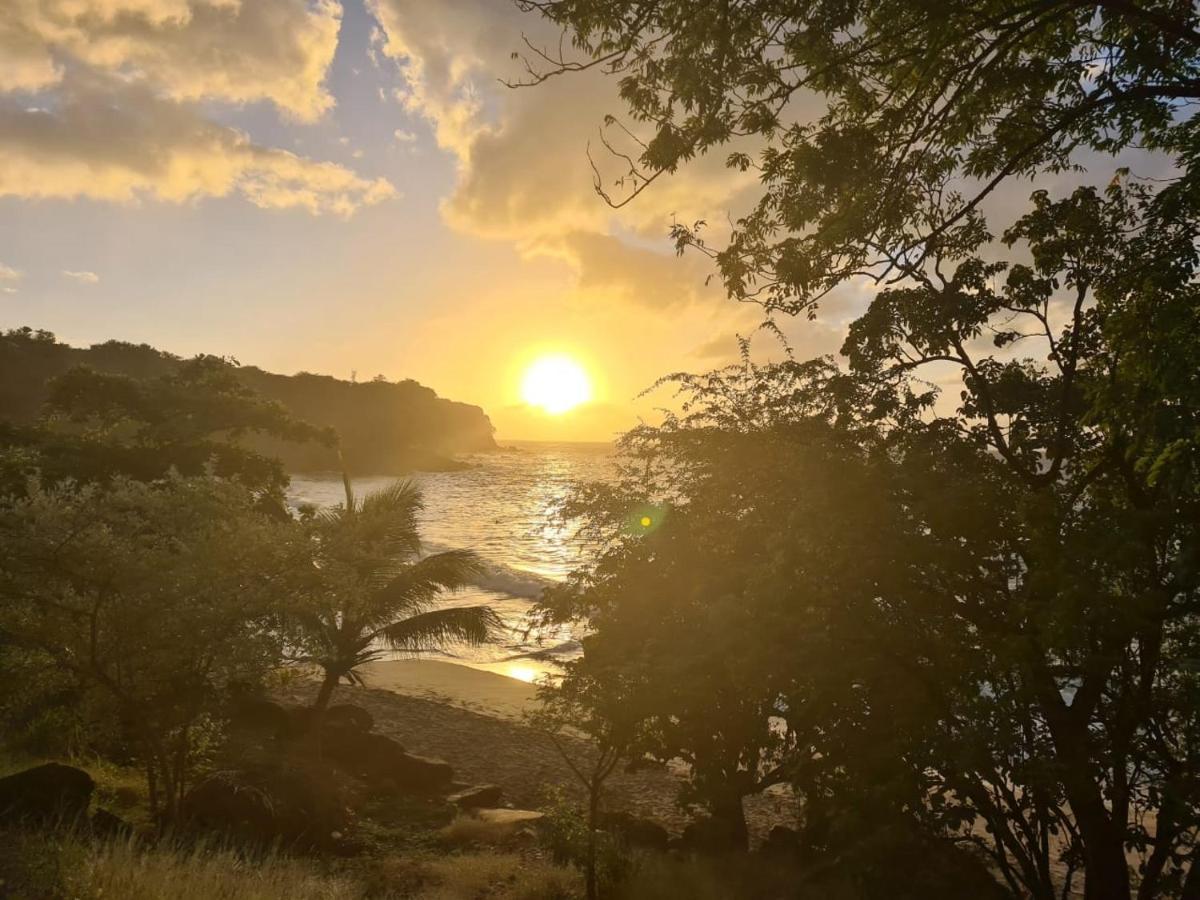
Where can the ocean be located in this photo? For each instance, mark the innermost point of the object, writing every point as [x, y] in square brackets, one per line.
[501, 507]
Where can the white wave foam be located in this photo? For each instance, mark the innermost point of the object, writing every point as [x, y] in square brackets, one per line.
[505, 579]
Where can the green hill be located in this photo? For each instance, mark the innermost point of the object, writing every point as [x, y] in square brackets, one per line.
[385, 427]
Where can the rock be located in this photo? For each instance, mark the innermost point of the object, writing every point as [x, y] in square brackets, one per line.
[260, 717]
[710, 835]
[634, 831]
[288, 802]
[781, 841]
[481, 795]
[380, 761]
[46, 793]
[423, 774]
[500, 825]
[109, 825]
[349, 716]
[504, 818]
[369, 756]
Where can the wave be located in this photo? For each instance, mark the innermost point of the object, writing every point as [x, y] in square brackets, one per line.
[505, 579]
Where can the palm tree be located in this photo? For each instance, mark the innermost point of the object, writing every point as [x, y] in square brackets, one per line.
[375, 593]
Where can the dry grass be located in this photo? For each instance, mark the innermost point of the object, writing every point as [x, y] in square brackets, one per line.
[122, 869]
[499, 876]
[467, 831]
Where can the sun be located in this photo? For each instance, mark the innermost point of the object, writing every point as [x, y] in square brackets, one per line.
[556, 384]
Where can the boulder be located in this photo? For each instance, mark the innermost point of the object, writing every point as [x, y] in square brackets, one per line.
[423, 774]
[348, 716]
[481, 795]
[634, 831]
[782, 841]
[260, 717]
[710, 835]
[497, 826]
[47, 793]
[379, 760]
[290, 803]
[109, 825]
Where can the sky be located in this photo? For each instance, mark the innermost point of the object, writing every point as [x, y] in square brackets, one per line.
[350, 188]
[346, 188]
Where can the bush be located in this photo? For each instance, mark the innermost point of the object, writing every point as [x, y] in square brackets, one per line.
[567, 837]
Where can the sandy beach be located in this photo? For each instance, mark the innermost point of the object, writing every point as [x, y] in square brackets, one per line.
[471, 719]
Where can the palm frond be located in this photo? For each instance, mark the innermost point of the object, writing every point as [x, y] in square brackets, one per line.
[390, 513]
[417, 584]
[439, 628]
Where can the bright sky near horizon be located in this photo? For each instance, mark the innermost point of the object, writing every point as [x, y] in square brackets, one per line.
[338, 187]
[348, 187]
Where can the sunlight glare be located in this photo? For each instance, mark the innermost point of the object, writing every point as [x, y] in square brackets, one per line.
[523, 673]
[556, 384]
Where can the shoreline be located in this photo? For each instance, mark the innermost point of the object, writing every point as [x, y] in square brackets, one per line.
[453, 684]
[472, 719]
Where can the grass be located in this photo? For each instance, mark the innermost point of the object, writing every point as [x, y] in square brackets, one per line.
[122, 869]
[408, 855]
[499, 876]
[39, 866]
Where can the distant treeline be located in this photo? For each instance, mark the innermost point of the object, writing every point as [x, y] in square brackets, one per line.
[384, 427]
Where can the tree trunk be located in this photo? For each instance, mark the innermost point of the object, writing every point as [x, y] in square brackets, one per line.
[593, 821]
[1191, 883]
[728, 810]
[316, 713]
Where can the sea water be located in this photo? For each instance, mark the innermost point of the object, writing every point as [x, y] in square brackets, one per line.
[503, 507]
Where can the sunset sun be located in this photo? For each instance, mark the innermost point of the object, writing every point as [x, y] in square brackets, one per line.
[555, 384]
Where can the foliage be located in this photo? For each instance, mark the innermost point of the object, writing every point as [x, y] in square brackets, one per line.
[371, 591]
[190, 420]
[160, 596]
[978, 621]
[574, 838]
[256, 415]
[593, 723]
[874, 126]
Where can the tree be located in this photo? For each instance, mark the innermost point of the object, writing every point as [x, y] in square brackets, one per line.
[917, 101]
[1091, 610]
[159, 595]
[372, 592]
[978, 622]
[190, 420]
[603, 711]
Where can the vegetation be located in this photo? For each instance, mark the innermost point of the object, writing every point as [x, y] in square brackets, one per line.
[157, 596]
[944, 590]
[945, 624]
[374, 592]
[875, 126]
[381, 427]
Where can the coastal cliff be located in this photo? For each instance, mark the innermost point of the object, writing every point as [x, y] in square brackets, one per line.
[385, 427]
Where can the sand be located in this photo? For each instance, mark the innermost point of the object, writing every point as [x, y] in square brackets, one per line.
[472, 719]
[450, 683]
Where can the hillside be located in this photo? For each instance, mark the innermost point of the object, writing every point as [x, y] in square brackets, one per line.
[385, 427]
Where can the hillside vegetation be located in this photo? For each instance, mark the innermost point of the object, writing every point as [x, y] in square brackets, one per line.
[385, 427]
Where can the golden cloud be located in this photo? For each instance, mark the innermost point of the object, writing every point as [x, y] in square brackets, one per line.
[523, 154]
[229, 50]
[114, 141]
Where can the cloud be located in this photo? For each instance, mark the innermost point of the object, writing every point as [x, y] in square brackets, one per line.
[82, 277]
[523, 154]
[643, 276]
[8, 273]
[121, 142]
[118, 87]
[229, 50]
